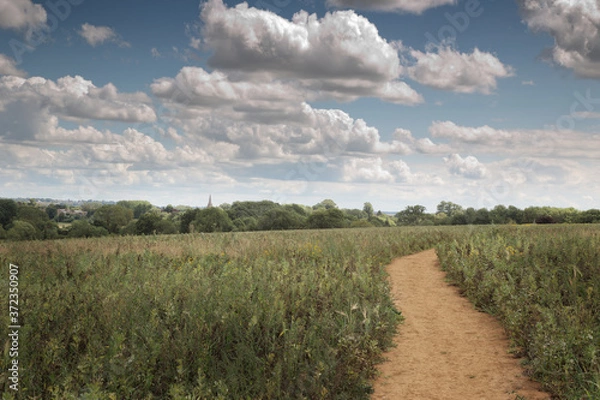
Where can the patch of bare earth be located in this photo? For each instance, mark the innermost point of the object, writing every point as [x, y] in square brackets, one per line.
[445, 348]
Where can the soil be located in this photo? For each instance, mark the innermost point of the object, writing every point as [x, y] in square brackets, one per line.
[445, 349]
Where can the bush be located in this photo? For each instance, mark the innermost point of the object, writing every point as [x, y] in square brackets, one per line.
[22, 230]
[83, 229]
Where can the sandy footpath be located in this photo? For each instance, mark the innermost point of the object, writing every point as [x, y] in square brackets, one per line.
[445, 348]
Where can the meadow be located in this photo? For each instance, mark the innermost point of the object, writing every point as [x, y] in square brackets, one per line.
[283, 315]
[543, 284]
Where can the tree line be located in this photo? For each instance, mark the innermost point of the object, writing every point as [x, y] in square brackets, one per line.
[30, 221]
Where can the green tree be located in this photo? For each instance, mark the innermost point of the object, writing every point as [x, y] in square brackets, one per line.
[186, 220]
[23, 230]
[515, 215]
[8, 211]
[482, 217]
[326, 204]
[2, 233]
[245, 224]
[589, 217]
[499, 215]
[147, 224]
[212, 219]
[83, 229]
[280, 219]
[256, 209]
[139, 207]
[112, 217]
[354, 214]
[166, 227]
[38, 218]
[52, 211]
[449, 208]
[412, 215]
[368, 209]
[326, 219]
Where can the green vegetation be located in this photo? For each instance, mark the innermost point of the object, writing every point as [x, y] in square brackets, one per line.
[543, 283]
[287, 315]
[138, 217]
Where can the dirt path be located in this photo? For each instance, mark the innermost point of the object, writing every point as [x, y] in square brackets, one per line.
[445, 348]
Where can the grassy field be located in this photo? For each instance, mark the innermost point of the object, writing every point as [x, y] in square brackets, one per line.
[543, 283]
[282, 315]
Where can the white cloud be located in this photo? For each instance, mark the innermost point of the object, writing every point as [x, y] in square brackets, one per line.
[575, 27]
[155, 53]
[448, 69]
[96, 35]
[194, 87]
[587, 115]
[528, 83]
[320, 134]
[366, 170]
[21, 15]
[482, 135]
[8, 67]
[469, 167]
[340, 55]
[30, 106]
[263, 119]
[530, 142]
[410, 6]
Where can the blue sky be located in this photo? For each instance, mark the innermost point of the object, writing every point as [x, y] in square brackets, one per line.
[395, 102]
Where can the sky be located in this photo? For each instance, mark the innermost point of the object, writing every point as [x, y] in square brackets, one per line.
[393, 102]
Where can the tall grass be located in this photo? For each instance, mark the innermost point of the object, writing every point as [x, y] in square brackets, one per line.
[544, 285]
[294, 315]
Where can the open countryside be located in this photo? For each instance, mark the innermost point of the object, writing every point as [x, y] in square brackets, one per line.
[302, 313]
[300, 200]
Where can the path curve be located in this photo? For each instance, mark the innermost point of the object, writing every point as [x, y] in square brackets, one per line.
[446, 349]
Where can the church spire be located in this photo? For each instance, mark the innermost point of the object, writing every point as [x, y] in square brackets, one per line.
[209, 201]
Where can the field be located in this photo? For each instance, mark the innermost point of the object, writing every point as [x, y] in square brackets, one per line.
[283, 315]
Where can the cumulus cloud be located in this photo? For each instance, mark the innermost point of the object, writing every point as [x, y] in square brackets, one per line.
[448, 69]
[319, 134]
[21, 15]
[374, 170]
[531, 142]
[264, 119]
[27, 106]
[409, 6]
[469, 167]
[195, 88]
[575, 27]
[96, 35]
[482, 135]
[341, 54]
[8, 66]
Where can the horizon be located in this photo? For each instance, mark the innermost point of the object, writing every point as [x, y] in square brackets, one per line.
[76, 203]
[395, 103]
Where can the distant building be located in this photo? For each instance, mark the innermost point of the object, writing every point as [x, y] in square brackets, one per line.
[209, 202]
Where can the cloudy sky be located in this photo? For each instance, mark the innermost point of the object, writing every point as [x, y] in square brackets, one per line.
[396, 102]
